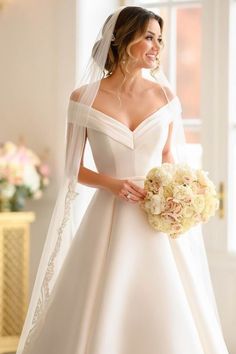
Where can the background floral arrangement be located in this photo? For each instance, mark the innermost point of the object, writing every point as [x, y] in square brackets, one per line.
[178, 197]
[22, 175]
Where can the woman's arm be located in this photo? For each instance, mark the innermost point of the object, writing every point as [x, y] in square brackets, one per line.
[119, 187]
[86, 176]
[93, 179]
[167, 155]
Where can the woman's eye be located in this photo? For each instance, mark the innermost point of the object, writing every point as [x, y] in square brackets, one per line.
[160, 40]
[149, 38]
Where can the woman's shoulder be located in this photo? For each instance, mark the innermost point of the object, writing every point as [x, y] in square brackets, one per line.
[77, 93]
[162, 89]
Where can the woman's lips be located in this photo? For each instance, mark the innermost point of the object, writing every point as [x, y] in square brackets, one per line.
[151, 56]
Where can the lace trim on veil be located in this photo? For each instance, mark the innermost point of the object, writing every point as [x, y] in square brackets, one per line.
[45, 289]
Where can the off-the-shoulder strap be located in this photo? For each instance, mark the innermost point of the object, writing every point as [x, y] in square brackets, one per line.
[166, 96]
[77, 113]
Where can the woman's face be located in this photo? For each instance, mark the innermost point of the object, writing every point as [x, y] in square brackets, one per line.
[147, 49]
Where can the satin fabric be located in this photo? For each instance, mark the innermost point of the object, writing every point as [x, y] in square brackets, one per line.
[125, 288]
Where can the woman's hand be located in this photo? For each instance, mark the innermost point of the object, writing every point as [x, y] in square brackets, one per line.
[121, 188]
[127, 190]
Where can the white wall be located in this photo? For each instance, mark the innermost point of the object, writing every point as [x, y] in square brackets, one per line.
[91, 16]
[42, 45]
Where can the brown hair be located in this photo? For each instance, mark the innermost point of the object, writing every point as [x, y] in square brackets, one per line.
[131, 23]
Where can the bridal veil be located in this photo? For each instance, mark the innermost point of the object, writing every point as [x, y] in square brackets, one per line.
[61, 229]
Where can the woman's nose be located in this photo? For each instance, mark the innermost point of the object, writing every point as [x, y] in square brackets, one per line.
[156, 44]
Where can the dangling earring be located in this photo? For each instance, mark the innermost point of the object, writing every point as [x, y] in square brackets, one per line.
[158, 62]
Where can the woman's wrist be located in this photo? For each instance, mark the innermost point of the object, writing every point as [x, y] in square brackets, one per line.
[106, 182]
[168, 157]
[94, 179]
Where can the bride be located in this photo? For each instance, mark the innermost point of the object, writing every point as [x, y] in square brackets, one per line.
[114, 285]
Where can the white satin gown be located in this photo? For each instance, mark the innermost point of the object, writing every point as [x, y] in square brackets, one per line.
[125, 288]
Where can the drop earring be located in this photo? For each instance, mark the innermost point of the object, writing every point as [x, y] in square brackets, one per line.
[158, 62]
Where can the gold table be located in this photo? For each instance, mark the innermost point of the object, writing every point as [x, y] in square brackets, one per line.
[14, 276]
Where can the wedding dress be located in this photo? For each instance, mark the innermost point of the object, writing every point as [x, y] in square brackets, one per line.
[125, 288]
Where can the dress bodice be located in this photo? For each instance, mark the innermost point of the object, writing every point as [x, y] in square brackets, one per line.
[120, 152]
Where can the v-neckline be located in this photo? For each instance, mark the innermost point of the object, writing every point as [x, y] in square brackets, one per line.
[123, 125]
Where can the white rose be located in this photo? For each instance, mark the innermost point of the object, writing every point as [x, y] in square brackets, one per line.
[188, 212]
[154, 205]
[199, 203]
[31, 178]
[184, 193]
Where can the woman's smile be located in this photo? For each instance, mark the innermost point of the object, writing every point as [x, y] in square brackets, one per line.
[152, 57]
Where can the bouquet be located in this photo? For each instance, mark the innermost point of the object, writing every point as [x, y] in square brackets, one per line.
[178, 197]
[22, 175]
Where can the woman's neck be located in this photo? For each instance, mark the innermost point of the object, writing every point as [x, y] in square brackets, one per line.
[128, 83]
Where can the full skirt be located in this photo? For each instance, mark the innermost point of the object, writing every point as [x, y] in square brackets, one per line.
[125, 288]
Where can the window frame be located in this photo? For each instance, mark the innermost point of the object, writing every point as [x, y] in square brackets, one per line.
[217, 100]
[191, 124]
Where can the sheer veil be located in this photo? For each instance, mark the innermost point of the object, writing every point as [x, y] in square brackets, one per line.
[61, 229]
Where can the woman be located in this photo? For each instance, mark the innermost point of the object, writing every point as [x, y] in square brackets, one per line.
[122, 287]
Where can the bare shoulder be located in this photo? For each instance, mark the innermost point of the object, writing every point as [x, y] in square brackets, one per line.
[159, 89]
[168, 92]
[76, 94]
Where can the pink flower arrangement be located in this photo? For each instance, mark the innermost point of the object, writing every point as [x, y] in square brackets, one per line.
[22, 175]
[178, 198]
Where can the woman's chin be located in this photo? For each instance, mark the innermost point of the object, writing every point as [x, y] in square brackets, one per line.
[150, 65]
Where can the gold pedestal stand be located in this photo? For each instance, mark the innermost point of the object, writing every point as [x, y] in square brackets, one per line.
[14, 276]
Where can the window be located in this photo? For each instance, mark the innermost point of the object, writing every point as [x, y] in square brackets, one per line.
[200, 43]
[181, 60]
